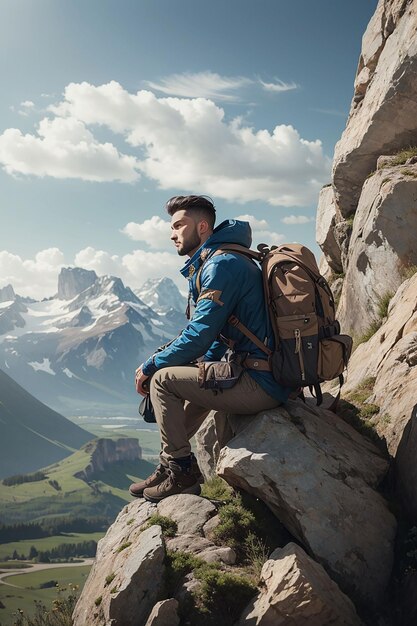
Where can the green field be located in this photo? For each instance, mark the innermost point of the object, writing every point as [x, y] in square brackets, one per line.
[26, 589]
[46, 543]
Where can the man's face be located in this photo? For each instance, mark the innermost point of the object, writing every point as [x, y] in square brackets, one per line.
[185, 233]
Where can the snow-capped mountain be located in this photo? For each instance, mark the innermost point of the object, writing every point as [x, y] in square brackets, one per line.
[78, 351]
[161, 295]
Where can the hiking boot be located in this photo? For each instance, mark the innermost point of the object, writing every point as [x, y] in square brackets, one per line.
[159, 475]
[176, 481]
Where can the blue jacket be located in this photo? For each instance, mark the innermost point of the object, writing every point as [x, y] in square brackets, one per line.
[230, 284]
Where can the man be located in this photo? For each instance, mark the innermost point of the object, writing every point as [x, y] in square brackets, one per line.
[228, 283]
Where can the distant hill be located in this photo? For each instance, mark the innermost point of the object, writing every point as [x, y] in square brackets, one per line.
[92, 482]
[31, 434]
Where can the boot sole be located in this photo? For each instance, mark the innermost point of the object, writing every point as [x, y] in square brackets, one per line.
[136, 495]
[194, 490]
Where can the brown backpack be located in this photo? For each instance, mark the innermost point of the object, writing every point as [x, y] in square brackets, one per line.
[309, 348]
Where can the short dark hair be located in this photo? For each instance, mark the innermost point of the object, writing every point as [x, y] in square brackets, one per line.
[201, 204]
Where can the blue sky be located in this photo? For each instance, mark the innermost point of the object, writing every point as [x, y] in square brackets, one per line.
[109, 108]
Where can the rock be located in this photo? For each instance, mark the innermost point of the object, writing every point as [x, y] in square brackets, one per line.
[389, 358]
[343, 233]
[296, 591]
[73, 280]
[314, 472]
[203, 548]
[382, 245]
[386, 90]
[127, 576]
[164, 613]
[207, 447]
[325, 222]
[105, 452]
[384, 161]
[189, 511]
[7, 294]
[209, 526]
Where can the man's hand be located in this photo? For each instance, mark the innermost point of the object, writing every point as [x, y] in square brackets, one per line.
[140, 380]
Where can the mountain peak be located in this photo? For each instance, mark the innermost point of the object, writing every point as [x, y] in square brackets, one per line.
[7, 293]
[73, 280]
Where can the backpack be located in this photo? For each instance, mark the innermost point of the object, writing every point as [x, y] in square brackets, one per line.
[309, 348]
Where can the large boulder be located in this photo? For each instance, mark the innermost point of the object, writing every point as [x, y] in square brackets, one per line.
[383, 245]
[317, 475]
[296, 591]
[383, 115]
[127, 577]
[389, 359]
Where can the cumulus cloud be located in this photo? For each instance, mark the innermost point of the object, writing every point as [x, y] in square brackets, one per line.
[35, 277]
[297, 219]
[38, 277]
[180, 143]
[201, 85]
[64, 148]
[261, 231]
[154, 231]
[278, 86]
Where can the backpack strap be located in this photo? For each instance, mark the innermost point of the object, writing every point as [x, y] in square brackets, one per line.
[233, 320]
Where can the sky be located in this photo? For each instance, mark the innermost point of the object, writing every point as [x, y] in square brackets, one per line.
[110, 107]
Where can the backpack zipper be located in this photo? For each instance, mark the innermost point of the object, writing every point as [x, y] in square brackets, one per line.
[299, 351]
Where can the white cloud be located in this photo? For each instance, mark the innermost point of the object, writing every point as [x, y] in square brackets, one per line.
[297, 219]
[185, 144]
[278, 86]
[200, 85]
[253, 221]
[64, 148]
[36, 277]
[261, 231]
[133, 268]
[154, 231]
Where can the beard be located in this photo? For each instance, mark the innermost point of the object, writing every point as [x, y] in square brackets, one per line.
[192, 242]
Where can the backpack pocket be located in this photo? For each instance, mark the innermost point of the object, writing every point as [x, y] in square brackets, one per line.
[294, 363]
[334, 354]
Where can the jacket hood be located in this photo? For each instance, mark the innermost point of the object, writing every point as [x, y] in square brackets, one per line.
[229, 231]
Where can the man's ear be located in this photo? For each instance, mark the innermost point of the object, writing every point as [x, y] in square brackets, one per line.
[203, 227]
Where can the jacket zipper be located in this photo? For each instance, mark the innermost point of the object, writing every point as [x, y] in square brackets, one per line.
[299, 351]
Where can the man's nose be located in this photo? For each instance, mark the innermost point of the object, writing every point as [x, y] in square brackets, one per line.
[173, 236]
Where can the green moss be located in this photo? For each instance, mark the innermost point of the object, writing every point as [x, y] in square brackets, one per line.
[375, 325]
[403, 155]
[130, 521]
[384, 303]
[168, 526]
[385, 180]
[124, 546]
[109, 579]
[230, 592]
[236, 522]
[114, 589]
[98, 600]
[411, 173]
[216, 489]
[408, 271]
[349, 220]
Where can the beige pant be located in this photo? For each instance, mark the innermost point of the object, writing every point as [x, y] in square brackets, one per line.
[181, 405]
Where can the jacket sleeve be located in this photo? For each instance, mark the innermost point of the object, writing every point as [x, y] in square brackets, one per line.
[216, 351]
[219, 295]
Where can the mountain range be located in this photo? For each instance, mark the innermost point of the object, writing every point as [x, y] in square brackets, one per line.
[78, 350]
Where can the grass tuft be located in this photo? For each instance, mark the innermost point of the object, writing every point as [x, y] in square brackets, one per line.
[124, 546]
[109, 579]
[168, 526]
[216, 489]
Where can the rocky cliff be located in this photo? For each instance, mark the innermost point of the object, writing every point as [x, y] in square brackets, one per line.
[105, 452]
[342, 543]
